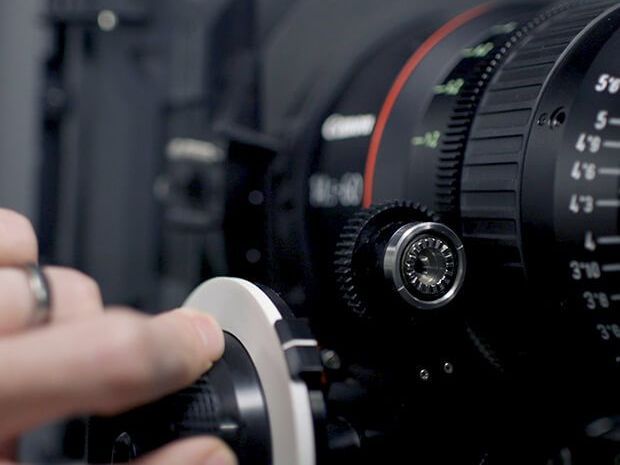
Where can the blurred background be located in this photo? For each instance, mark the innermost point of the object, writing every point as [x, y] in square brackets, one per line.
[108, 110]
[24, 44]
[127, 124]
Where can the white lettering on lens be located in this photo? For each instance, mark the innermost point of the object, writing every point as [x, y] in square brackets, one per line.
[340, 127]
[329, 192]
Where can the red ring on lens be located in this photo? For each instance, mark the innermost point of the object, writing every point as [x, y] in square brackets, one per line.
[399, 84]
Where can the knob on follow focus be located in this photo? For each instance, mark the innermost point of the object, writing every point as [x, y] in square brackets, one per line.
[404, 246]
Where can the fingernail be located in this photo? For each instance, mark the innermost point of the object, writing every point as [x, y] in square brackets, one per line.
[221, 456]
[210, 331]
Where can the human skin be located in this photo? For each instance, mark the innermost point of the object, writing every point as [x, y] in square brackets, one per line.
[89, 360]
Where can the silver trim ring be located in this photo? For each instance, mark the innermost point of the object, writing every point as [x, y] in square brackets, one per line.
[394, 255]
[41, 293]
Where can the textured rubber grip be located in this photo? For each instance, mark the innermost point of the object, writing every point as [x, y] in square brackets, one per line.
[212, 406]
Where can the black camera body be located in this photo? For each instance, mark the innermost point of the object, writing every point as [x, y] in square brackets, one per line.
[426, 197]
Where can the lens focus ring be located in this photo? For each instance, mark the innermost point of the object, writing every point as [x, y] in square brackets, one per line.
[495, 153]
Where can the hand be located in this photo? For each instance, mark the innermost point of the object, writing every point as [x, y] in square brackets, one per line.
[87, 361]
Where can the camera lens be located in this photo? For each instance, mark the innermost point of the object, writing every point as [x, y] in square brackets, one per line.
[502, 123]
[521, 158]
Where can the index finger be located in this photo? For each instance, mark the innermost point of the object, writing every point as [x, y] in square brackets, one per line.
[103, 365]
[18, 241]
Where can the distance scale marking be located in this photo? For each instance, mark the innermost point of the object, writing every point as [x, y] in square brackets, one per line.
[598, 144]
[595, 173]
[595, 201]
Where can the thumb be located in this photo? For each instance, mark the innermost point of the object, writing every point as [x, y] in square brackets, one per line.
[196, 451]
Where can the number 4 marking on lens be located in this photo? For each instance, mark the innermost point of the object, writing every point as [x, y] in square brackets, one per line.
[590, 242]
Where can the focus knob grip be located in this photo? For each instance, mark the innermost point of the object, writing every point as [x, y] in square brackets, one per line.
[211, 406]
[264, 397]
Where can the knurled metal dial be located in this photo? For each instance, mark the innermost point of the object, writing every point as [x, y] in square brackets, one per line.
[360, 229]
[398, 249]
[430, 266]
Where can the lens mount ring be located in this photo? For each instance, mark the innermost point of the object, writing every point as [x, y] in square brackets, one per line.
[425, 290]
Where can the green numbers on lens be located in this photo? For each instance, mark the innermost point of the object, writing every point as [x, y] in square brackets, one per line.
[479, 51]
[505, 28]
[429, 140]
[452, 87]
